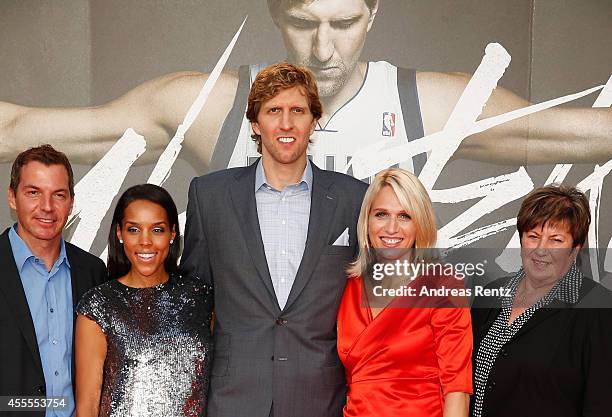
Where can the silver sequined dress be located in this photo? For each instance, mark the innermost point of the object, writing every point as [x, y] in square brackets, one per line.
[158, 347]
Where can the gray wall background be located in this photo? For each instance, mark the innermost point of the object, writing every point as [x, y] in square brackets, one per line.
[80, 52]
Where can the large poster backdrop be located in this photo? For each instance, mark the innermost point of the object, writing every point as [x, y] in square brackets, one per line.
[120, 59]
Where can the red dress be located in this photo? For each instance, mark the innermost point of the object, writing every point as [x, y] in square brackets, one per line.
[402, 362]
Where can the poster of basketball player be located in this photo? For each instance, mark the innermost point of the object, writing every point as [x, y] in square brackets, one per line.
[484, 100]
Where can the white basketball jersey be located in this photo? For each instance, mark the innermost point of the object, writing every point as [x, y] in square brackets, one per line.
[373, 114]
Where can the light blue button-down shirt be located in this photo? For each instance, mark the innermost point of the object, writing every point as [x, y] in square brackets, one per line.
[49, 296]
[283, 222]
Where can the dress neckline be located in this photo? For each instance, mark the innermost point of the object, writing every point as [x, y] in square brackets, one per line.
[155, 287]
[368, 307]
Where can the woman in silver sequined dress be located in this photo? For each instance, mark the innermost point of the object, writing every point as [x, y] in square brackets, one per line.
[143, 344]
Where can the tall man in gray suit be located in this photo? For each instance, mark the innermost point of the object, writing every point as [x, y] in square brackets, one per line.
[274, 238]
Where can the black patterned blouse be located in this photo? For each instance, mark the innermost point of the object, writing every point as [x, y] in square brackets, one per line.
[566, 289]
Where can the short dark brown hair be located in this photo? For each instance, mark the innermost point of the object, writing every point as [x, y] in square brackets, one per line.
[556, 204]
[274, 5]
[276, 78]
[45, 154]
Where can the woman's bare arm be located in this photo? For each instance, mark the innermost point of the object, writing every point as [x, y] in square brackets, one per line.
[456, 404]
[90, 354]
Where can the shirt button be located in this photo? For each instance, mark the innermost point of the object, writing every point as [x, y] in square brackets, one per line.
[283, 280]
[51, 310]
[283, 252]
[54, 342]
[56, 373]
[283, 222]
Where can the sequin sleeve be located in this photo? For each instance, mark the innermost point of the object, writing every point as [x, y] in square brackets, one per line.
[92, 306]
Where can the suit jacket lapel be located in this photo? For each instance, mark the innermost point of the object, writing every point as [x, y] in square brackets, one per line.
[78, 277]
[322, 207]
[482, 320]
[80, 281]
[542, 314]
[243, 199]
[11, 286]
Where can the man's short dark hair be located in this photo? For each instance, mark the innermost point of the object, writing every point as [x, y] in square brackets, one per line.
[45, 154]
[556, 205]
[278, 77]
[274, 5]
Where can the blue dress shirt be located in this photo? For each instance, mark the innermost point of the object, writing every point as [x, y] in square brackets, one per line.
[49, 296]
[283, 221]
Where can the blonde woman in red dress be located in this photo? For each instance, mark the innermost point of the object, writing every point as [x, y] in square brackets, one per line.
[404, 356]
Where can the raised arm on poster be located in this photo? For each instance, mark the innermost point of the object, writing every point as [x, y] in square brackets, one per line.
[462, 124]
[168, 157]
[510, 259]
[156, 108]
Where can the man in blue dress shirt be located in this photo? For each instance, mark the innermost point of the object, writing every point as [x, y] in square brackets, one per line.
[42, 279]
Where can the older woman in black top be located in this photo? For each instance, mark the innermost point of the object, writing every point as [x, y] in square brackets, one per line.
[547, 349]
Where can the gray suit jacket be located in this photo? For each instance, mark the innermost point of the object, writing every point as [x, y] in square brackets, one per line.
[263, 355]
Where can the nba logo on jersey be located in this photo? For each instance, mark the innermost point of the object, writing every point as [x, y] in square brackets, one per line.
[388, 125]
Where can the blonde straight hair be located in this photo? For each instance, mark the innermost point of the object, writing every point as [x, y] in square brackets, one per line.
[414, 200]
